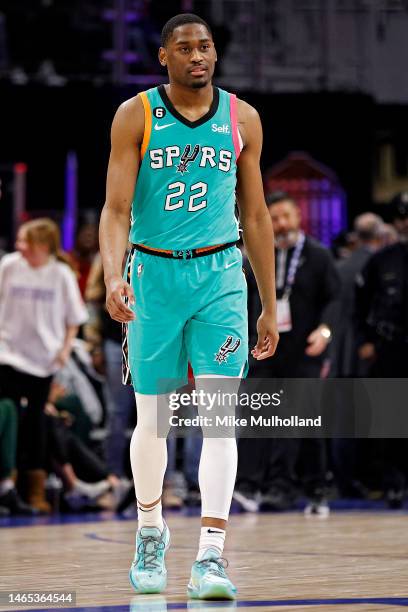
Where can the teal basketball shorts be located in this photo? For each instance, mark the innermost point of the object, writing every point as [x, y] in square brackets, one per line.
[186, 311]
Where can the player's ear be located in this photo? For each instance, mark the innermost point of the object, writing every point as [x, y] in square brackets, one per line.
[162, 56]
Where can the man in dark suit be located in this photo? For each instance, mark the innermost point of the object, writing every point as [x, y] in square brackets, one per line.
[345, 362]
[382, 322]
[343, 351]
[307, 283]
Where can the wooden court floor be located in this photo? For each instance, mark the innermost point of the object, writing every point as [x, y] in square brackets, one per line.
[350, 561]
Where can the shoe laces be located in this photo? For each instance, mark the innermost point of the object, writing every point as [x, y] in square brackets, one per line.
[147, 557]
[216, 567]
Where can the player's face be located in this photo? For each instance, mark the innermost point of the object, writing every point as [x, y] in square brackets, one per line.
[190, 56]
[286, 222]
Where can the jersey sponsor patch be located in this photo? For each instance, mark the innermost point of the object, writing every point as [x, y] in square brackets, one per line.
[220, 129]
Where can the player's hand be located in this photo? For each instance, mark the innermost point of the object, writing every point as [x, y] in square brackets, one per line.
[268, 336]
[116, 290]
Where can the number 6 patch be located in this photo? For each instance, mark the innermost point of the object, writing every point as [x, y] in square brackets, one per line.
[159, 112]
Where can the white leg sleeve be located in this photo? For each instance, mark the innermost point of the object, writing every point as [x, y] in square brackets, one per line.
[218, 468]
[148, 453]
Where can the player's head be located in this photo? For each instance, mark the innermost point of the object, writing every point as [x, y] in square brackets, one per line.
[188, 51]
[286, 218]
[38, 239]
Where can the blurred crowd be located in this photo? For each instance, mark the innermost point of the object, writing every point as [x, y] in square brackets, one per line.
[66, 419]
[52, 42]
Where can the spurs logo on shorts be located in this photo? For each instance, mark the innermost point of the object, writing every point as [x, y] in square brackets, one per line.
[225, 349]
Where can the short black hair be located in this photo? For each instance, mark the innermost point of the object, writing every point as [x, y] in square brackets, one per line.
[180, 20]
[275, 197]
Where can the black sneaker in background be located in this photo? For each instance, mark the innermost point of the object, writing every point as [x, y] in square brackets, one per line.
[395, 498]
[193, 497]
[277, 500]
[15, 505]
[317, 507]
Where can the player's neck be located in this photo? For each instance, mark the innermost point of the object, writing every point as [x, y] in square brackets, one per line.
[180, 95]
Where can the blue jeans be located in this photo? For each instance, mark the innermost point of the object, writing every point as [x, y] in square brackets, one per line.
[121, 404]
[191, 457]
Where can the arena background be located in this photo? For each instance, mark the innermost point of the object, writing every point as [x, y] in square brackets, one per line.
[326, 76]
[329, 80]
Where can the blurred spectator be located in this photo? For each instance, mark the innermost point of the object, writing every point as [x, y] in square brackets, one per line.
[84, 474]
[38, 37]
[10, 502]
[40, 311]
[79, 379]
[344, 244]
[105, 334]
[345, 362]
[388, 235]
[306, 284]
[368, 229]
[382, 307]
[382, 318]
[85, 250]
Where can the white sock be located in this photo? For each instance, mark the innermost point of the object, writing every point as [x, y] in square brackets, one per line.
[6, 485]
[150, 517]
[211, 537]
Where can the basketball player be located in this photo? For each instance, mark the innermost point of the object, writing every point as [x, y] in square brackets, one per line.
[188, 147]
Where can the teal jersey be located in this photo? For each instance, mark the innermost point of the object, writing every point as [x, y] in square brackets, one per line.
[185, 190]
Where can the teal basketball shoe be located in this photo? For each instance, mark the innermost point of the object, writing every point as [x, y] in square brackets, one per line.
[148, 572]
[209, 580]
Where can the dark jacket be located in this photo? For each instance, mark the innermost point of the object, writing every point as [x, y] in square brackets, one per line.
[343, 349]
[314, 291]
[382, 296]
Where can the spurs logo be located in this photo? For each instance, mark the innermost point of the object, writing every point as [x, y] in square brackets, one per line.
[186, 158]
[139, 270]
[225, 349]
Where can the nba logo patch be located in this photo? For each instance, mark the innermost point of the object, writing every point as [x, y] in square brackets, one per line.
[139, 270]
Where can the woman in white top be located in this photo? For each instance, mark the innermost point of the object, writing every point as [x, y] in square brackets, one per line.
[40, 312]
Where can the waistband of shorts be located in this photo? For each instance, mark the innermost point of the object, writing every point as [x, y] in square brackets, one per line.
[183, 253]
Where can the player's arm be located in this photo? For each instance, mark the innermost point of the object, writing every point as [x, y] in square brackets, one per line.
[126, 136]
[257, 227]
